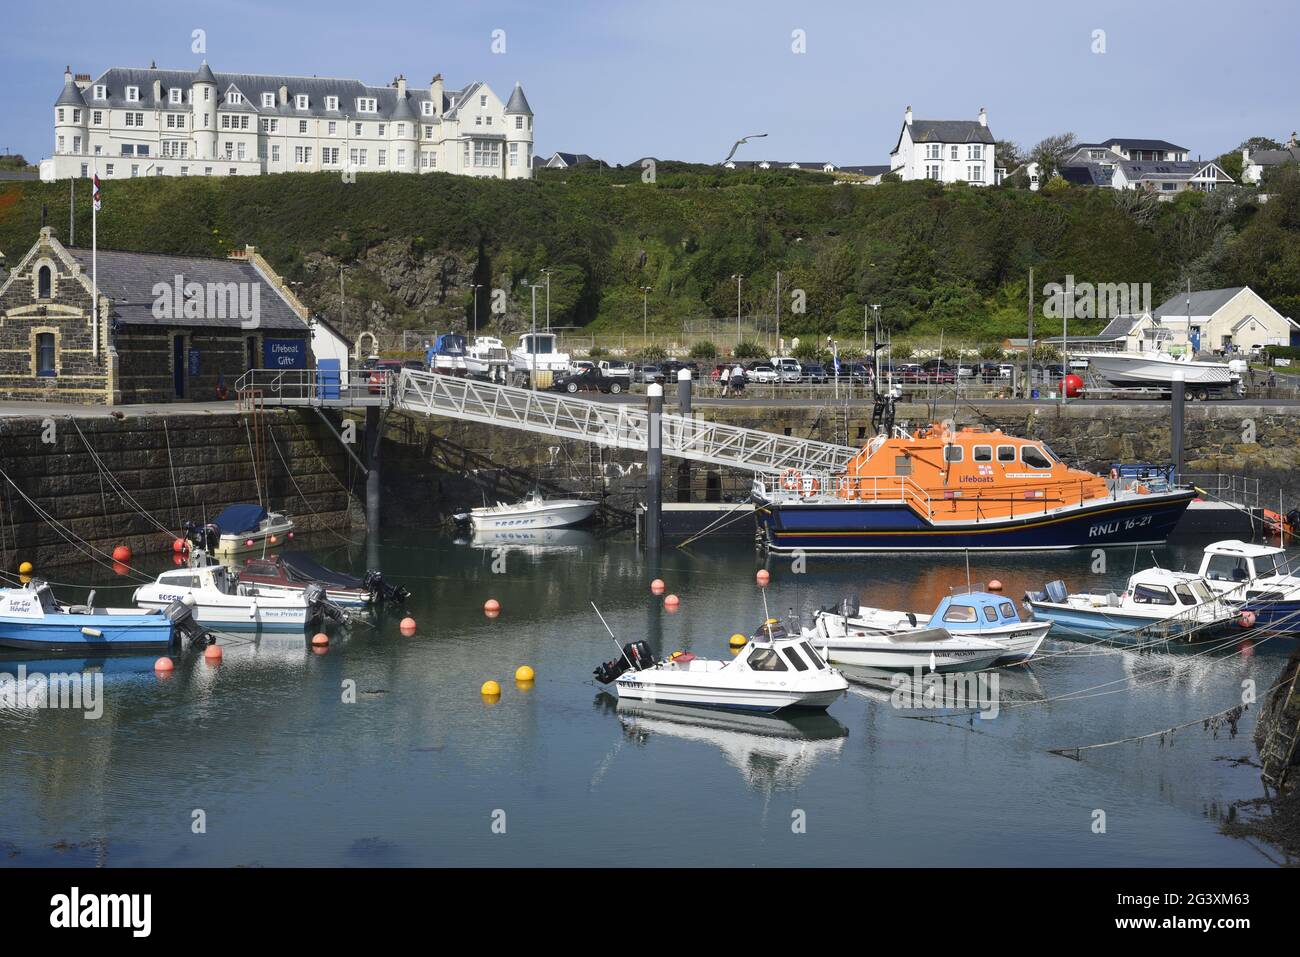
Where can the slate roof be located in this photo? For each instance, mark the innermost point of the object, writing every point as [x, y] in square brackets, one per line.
[1086, 174]
[1175, 170]
[254, 85]
[1204, 303]
[949, 131]
[1132, 144]
[1289, 154]
[518, 102]
[571, 159]
[866, 170]
[1119, 327]
[128, 279]
[71, 96]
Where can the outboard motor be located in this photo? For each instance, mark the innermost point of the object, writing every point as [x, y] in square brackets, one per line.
[636, 652]
[202, 537]
[180, 613]
[381, 591]
[319, 607]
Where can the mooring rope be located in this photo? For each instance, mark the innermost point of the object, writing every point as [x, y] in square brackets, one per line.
[171, 473]
[288, 471]
[126, 497]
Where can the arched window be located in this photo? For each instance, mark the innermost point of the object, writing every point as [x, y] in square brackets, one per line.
[43, 282]
[45, 352]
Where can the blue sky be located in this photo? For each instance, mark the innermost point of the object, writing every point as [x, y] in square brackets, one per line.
[683, 80]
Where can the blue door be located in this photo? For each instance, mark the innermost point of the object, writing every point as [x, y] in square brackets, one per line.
[178, 365]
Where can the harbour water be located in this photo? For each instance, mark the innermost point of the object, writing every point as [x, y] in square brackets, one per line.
[267, 760]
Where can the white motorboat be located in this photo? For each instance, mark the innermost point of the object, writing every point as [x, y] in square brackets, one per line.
[487, 357]
[533, 511]
[246, 528]
[447, 355]
[773, 672]
[221, 601]
[932, 649]
[1157, 603]
[1255, 578]
[979, 614]
[538, 353]
[1156, 369]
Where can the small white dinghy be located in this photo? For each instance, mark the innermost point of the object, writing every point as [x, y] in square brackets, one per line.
[932, 649]
[774, 672]
[533, 511]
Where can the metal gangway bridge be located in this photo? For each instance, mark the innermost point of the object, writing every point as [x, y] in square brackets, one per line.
[620, 425]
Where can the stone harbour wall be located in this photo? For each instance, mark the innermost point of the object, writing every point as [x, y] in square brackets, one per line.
[174, 467]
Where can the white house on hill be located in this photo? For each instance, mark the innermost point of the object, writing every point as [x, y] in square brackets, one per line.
[949, 151]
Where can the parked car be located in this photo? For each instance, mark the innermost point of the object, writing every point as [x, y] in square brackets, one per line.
[762, 372]
[787, 368]
[937, 371]
[647, 372]
[615, 368]
[590, 379]
[382, 370]
[814, 372]
[855, 372]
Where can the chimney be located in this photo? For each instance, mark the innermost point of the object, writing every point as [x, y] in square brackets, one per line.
[284, 95]
[1292, 141]
[984, 117]
[157, 91]
[401, 86]
[67, 74]
[907, 116]
[1245, 154]
[435, 93]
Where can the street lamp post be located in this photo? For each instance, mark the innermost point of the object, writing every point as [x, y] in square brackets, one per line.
[875, 355]
[547, 274]
[739, 279]
[532, 340]
[645, 311]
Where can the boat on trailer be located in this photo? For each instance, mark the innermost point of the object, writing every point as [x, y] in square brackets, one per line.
[1156, 604]
[774, 672]
[974, 613]
[447, 355]
[1255, 578]
[248, 527]
[945, 489]
[32, 619]
[488, 358]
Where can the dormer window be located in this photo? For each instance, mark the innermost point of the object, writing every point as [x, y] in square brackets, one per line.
[133, 94]
[234, 97]
[367, 104]
[426, 108]
[101, 91]
[174, 94]
[268, 100]
[300, 101]
[332, 104]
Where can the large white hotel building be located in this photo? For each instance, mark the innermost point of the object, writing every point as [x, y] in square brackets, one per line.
[151, 122]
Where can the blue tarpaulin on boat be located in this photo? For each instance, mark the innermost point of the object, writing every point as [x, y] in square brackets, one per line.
[239, 518]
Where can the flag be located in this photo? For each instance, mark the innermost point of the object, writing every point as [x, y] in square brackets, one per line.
[95, 192]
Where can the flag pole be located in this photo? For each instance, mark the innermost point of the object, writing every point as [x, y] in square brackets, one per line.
[94, 266]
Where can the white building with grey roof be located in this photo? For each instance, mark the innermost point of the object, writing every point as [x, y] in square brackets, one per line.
[150, 122]
[947, 151]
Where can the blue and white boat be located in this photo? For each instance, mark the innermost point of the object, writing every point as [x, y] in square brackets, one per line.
[32, 620]
[1157, 603]
[981, 614]
[447, 354]
[1255, 578]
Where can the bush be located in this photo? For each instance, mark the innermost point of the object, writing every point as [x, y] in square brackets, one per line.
[654, 353]
[749, 350]
[598, 352]
[992, 352]
[704, 350]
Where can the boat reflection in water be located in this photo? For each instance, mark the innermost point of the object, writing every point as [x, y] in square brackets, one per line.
[921, 691]
[769, 751]
[532, 541]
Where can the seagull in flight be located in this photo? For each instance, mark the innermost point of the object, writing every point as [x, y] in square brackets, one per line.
[743, 139]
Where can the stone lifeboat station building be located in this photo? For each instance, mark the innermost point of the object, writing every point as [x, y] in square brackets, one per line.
[169, 328]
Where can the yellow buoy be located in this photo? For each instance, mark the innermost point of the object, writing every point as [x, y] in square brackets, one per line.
[524, 673]
[737, 640]
[490, 689]
[25, 568]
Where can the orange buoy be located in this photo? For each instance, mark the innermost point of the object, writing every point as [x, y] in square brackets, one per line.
[273, 539]
[491, 614]
[212, 654]
[320, 649]
[320, 639]
[407, 626]
[763, 576]
[178, 545]
[163, 665]
[995, 585]
[248, 543]
[671, 601]
[657, 586]
[121, 554]
[1246, 619]
[491, 605]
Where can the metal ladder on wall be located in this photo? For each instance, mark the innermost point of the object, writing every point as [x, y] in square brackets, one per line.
[1280, 746]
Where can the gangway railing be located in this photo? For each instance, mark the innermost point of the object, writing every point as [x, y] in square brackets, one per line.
[315, 387]
[614, 425]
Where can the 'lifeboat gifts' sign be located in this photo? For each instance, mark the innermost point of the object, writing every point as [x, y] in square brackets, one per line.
[284, 353]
